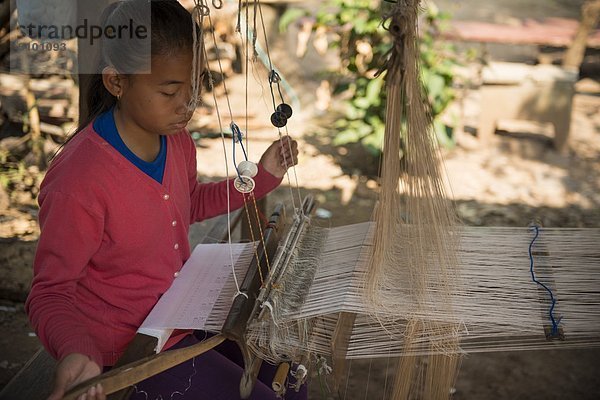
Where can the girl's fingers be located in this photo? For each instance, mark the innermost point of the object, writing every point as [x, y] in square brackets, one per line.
[288, 152]
[288, 162]
[100, 391]
[93, 393]
[286, 142]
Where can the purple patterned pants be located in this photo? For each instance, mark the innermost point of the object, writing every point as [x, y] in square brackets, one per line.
[214, 375]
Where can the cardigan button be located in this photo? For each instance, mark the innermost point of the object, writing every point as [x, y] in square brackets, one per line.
[174, 223]
[176, 274]
[176, 246]
[166, 197]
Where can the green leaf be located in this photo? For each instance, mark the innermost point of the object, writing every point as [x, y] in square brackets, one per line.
[374, 141]
[373, 93]
[347, 136]
[435, 86]
[444, 134]
[362, 102]
[353, 112]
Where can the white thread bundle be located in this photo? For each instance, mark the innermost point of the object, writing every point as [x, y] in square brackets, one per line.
[496, 307]
[411, 167]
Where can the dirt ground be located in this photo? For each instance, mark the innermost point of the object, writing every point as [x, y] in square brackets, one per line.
[509, 182]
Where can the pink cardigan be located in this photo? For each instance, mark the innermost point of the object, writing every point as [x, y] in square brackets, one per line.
[112, 239]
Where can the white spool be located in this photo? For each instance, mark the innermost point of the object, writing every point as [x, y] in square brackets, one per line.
[244, 185]
[248, 168]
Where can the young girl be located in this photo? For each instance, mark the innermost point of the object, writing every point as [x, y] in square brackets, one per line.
[115, 210]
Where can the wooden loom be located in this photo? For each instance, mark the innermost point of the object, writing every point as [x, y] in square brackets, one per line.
[133, 369]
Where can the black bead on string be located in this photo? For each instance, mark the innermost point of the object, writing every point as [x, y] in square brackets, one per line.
[278, 119]
[285, 109]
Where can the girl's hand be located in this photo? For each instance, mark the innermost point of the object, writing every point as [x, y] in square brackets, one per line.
[280, 155]
[72, 370]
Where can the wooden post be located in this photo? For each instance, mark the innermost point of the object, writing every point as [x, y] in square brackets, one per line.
[339, 347]
[590, 13]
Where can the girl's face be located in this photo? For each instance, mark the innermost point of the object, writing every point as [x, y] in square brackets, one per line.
[158, 102]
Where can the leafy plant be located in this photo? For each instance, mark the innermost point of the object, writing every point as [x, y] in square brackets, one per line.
[354, 28]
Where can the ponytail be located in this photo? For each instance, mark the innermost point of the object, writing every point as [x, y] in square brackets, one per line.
[98, 99]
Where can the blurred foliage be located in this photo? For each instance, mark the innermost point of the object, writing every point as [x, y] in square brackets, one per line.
[354, 28]
[16, 175]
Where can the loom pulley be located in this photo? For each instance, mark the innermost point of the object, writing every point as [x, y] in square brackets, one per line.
[246, 171]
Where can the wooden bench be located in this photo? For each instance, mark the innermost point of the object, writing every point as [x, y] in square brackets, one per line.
[541, 93]
[555, 32]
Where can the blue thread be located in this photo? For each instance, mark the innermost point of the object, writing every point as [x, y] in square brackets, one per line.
[237, 171]
[236, 135]
[551, 311]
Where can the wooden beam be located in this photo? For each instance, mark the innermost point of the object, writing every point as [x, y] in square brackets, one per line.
[590, 14]
[339, 347]
[130, 374]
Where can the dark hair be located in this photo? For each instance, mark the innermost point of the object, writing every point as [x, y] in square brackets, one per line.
[171, 31]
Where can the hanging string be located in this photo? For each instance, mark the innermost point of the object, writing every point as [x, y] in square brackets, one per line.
[246, 60]
[254, 247]
[176, 392]
[260, 232]
[200, 4]
[201, 12]
[198, 13]
[237, 137]
[533, 278]
[275, 78]
[236, 133]
[226, 92]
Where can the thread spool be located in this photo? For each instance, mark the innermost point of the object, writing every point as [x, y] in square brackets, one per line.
[248, 168]
[301, 373]
[244, 184]
[278, 384]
